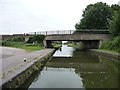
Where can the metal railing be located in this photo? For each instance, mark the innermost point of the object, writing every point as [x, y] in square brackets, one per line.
[60, 32]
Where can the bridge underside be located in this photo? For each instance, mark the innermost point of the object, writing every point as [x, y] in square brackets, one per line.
[88, 44]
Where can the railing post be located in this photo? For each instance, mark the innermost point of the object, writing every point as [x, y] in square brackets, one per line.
[35, 33]
[70, 31]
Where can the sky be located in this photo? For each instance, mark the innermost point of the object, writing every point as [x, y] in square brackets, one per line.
[23, 16]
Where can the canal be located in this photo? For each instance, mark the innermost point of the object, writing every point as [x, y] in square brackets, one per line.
[71, 68]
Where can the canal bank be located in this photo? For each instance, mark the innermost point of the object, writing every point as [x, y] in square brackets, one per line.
[114, 55]
[21, 67]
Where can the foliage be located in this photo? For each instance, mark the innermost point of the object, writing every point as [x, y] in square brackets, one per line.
[36, 38]
[18, 42]
[22, 45]
[16, 39]
[115, 8]
[114, 29]
[115, 24]
[95, 16]
[113, 44]
[12, 43]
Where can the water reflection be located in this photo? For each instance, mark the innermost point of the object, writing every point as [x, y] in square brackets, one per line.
[64, 51]
[82, 70]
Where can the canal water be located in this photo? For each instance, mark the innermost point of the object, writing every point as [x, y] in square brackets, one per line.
[70, 68]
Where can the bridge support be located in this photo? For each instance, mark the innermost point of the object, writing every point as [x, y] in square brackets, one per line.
[91, 44]
[47, 44]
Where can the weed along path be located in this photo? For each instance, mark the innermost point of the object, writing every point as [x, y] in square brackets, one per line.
[13, 60]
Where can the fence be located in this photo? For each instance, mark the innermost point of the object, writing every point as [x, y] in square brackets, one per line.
[59, 32]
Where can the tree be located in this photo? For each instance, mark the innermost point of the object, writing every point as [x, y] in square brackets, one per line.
[115, 24]
[95, 16]
[36, 38]
[115, 8]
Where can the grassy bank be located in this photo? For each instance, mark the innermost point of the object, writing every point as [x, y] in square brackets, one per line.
[22, 45]
[34, 43]
[32, 48]
[107, 50]
[55, 45]
[76, 45]
[73, 45]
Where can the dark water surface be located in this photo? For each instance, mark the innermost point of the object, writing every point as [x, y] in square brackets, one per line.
[70, 68]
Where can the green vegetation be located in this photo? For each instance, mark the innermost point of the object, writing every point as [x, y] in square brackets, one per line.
[76, 45]
[36, 39]
[34, 43]
[114, 43]
[102, 16]
[95, 16]
[57, 44]
[115, 24]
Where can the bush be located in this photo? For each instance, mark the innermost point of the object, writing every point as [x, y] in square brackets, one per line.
[36, 38]
[16, 39]
[115, 25]
[113, 44]
[12, 44]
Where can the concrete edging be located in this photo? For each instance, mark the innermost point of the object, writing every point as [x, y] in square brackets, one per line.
[107, 53]
[16, 79]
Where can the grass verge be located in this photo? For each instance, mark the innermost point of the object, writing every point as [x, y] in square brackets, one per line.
[107, 50]
[23, 45]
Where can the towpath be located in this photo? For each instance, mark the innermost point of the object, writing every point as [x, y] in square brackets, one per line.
[13, 59]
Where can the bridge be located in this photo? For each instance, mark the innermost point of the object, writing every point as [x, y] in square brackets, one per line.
[92, 39]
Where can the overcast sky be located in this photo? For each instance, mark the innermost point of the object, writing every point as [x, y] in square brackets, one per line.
[22, 16]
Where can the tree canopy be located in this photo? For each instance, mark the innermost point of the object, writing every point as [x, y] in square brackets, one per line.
[95, 16]
[115, 24]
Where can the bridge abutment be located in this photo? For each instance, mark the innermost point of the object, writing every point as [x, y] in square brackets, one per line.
[91, 44]
[48, 44]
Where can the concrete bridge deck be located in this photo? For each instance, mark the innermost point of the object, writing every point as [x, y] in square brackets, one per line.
[90, 40]
[80, 37]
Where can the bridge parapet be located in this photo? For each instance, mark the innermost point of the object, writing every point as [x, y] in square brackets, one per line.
[59, 32]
